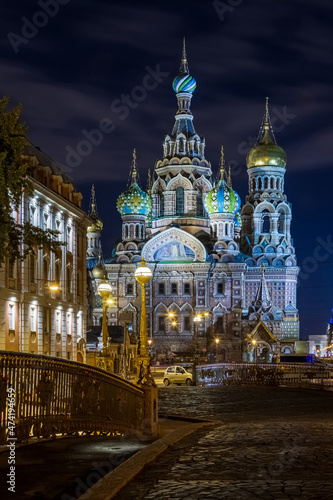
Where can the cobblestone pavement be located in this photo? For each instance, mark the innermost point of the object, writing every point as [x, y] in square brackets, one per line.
[267, 443]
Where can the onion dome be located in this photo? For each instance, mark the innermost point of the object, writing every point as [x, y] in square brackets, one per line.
[184, 82]
[99, 271]
[97, 225]
[266, 152]
[134, 201]
[222, 198]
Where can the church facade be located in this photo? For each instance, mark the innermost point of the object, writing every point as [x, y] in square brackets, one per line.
[230, 264]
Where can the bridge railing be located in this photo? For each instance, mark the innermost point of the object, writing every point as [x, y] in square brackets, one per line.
[43, 396]
[290, 374]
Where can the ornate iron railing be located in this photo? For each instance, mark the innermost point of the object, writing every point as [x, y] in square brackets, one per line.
[290, 374]
[43, 396]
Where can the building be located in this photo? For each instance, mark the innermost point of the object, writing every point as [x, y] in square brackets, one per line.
[233, 265]
[35, 318]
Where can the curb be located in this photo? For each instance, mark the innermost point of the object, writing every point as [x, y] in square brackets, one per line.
[108, 487]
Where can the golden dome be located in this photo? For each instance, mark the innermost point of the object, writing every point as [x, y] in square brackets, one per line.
[99, 271]
[266, 152]
[96, 226]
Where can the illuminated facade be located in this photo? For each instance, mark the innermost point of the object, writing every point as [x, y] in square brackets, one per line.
[207, 251]
[36, 319]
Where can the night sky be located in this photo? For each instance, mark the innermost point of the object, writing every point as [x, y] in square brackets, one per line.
[72, 69]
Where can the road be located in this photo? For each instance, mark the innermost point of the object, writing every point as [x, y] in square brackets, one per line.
[267, 443]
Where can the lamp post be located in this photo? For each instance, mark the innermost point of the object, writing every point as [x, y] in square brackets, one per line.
[197, 320]
[143, 275]
[104, 290]
[217, 343]
[254, 342]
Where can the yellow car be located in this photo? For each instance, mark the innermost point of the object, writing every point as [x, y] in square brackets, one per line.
[177, 375]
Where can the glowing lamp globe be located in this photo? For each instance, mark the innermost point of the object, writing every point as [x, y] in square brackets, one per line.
[104, 289]
[143, 274]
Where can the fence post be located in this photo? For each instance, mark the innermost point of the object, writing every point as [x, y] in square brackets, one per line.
[150, 425]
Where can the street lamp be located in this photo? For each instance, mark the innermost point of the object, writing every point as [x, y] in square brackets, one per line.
[197, 319]
[254, 350]
[143, 275]
[104, 290]
[217, 343]
[53, 286]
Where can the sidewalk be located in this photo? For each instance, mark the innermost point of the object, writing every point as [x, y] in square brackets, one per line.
[65, 468]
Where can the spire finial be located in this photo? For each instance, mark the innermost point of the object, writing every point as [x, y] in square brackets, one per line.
[134, 169]
[229, 179]
[267, 119]
[184, 63]
[222, 164]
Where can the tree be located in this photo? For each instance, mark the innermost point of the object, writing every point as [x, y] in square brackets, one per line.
[17, 240]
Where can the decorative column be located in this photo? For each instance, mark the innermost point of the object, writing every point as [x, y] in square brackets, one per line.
[143, 275]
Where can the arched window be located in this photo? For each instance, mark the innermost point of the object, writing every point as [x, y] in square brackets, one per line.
[226, 229]
[181, 145]
[259, 184]
[137, 229]
[266, 183]
[253, 184]
[200, 207]
[126, 231]
[281, 224]
[272, 182]
[180, 201]
[266, 223]
[278, 184]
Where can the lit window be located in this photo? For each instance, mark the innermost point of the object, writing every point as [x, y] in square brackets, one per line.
[58, 321]
[11, 317]
[33, 319]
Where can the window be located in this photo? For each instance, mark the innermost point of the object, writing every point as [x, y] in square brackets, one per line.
[180, 201]
[162, 205]
[45, 221]
[58, 321]
[129, 289]
[69, 238]
[187, 323]
[79, 326]
[161, 324]
[45, 270]
[174, 288]
[69, 279]
[187, 289]
[69, 323]
[220, 288]
[11, 269]
[200, 207]
[68, 355]
[266, 225]
[58, 228]
[219, 324]
[161, 288]
[11, 317]
[57, 271]
[32, 269]
[33, 319]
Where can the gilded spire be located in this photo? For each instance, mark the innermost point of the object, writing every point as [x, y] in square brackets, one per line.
[229, 179]
[149, 183]
[97, 224]
[134, 168]
[222, 164]
[184, 63]
[266, 133]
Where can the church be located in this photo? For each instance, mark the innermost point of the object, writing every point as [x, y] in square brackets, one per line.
[230, 265]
